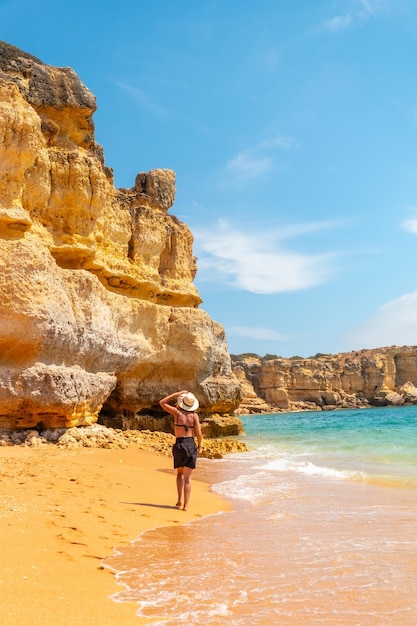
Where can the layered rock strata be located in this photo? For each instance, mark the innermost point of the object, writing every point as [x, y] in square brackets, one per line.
[97, 302]
[384, 376]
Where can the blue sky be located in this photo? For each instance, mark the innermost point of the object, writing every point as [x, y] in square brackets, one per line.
[292, 129]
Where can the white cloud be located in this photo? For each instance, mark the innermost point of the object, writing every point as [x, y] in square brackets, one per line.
[339, 22]
[144, 100]
[247, 166]
[262, 334]
[256, 261]
[370, 8]
[258, 160]
[360, 11]
[410, 224]
[395, 323]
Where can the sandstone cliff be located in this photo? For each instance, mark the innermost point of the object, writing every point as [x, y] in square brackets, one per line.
[98, 310]
[384, 376]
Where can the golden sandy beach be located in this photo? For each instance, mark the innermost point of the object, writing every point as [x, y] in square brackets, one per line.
[63, 511]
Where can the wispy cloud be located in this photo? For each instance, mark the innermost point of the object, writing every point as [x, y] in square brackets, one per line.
[395, 323]
[262, 334]
[357, 12]
[370, 8]
[144, 100]
[410, 224]
[258, 160]
[247, 165]
[257, 261]
[339, 22]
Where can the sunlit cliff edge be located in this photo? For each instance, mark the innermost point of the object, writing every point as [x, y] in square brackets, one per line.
[98, 311]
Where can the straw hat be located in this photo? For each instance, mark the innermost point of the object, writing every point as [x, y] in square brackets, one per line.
[188, 402]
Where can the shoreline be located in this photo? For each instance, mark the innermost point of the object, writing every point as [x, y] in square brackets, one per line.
[63, 512]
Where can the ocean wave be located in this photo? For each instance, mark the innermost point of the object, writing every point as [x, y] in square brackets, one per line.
[245, 487]
[257, 481]
[310, 469]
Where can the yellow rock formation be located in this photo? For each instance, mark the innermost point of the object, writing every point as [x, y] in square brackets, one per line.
[97, 301]
[354, 379]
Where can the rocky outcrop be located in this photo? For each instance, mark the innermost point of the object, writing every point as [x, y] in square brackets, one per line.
[98, 309]
[384, 376]
[251, 402]
[98, 436]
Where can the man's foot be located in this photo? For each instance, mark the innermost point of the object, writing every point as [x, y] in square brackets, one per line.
[184, 508]
[178, 504]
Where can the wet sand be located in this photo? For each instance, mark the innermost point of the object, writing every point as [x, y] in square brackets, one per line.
[63, 511]
[303, 550]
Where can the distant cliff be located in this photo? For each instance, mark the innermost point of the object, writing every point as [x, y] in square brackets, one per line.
[98, 310]
[384, 376]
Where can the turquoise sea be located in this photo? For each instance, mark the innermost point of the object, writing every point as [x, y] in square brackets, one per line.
[323, 529]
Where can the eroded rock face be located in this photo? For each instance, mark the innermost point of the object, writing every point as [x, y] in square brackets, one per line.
[97, 301]
[384, 376]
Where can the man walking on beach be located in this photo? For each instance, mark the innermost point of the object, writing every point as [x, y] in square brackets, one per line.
[184, 450]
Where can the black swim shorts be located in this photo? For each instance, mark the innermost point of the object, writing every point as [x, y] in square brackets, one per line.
[184, 451]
